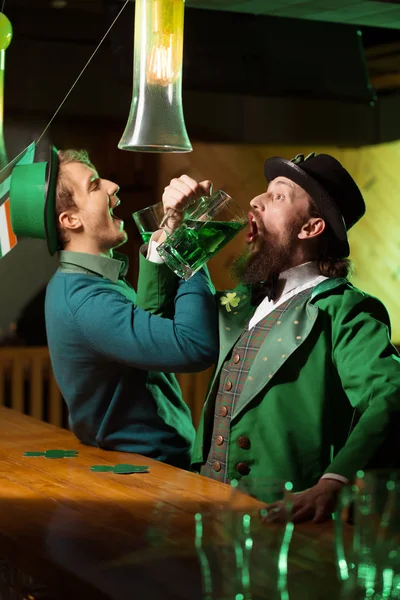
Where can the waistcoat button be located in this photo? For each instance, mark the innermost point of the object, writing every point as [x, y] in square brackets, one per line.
[228, 385]
[236, 359]
[244, 442]
[223, 411]
[219, 440]
[243, 468]
[216, 465]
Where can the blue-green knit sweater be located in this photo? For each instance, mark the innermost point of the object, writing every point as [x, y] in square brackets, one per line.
[114, 361]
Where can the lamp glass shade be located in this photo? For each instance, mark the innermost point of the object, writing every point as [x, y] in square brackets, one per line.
[156, 122]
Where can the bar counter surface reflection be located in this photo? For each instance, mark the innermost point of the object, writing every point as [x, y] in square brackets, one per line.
[87, 535]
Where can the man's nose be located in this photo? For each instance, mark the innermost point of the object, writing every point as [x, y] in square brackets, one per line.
[255, 203]
[113, 191]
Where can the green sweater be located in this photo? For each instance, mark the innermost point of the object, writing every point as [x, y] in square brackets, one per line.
[114, 361]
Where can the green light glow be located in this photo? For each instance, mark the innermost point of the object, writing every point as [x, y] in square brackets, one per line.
[283, 562]
[5, 41]
[371, 562]
[204, 564]
[387, 581]
[6, 32]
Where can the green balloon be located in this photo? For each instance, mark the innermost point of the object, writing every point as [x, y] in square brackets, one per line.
[5, 32]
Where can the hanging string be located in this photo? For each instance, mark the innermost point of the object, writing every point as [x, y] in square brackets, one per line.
[2, 6]
[83, 70]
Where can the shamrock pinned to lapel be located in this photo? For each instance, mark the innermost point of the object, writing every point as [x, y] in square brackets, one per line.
[230, 301]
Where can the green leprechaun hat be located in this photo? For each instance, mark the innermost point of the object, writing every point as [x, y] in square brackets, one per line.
[32, 200]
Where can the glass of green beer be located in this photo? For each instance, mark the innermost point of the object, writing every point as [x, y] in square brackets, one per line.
[148, 220]
[213, 222]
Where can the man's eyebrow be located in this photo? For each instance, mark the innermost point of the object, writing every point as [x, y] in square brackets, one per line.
[287, 183]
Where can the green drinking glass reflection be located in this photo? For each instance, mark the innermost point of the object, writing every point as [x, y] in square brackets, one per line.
[214, 221]
[242, 553]
[368, 556]
[262, 535]
[146, 236]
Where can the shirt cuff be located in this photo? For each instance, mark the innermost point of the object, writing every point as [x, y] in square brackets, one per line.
[152, 254]
[336, 477]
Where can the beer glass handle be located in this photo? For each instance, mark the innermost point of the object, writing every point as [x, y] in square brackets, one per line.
[171, 210]
[166, 217]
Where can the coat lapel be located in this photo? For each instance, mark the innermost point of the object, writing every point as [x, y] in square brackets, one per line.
[284, 338]
[231, 325]
[232, 322]
[280, 343]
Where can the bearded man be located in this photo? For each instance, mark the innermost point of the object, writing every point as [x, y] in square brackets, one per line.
[307, 384]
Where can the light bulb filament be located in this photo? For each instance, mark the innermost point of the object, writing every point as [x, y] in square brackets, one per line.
[162, 69]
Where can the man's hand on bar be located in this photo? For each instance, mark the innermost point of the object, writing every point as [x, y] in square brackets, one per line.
[317, 503]
[314, 504]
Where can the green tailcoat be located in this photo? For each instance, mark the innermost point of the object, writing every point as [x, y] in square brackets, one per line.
[323, 394]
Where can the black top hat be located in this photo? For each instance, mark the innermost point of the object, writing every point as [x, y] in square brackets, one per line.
[331, 187]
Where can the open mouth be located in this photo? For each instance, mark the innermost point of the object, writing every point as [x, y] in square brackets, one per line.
[253, 229]
[111, 211]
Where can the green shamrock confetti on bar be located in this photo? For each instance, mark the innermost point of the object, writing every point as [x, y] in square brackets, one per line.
[124, 468]
[101, 468]
[121, 469]
[54, 453]
[60, 453]
[33, 454]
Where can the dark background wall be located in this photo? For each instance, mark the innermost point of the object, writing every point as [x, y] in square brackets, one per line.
[247, 78]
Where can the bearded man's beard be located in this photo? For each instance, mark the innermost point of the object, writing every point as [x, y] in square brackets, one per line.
[271, 257]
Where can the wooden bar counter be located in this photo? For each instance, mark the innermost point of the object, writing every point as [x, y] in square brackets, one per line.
[75, 534]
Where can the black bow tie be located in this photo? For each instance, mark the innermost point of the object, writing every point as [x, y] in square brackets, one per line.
[264, 289]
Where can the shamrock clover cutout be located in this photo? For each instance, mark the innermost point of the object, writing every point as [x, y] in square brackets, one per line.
[120, 469]
[54, 453]
[230, 301]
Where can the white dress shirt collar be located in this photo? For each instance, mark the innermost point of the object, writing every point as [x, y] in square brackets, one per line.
[296, 277]
[290, 283]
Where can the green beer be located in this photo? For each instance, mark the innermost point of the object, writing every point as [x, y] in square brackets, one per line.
[188, 248]
[146, 235]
